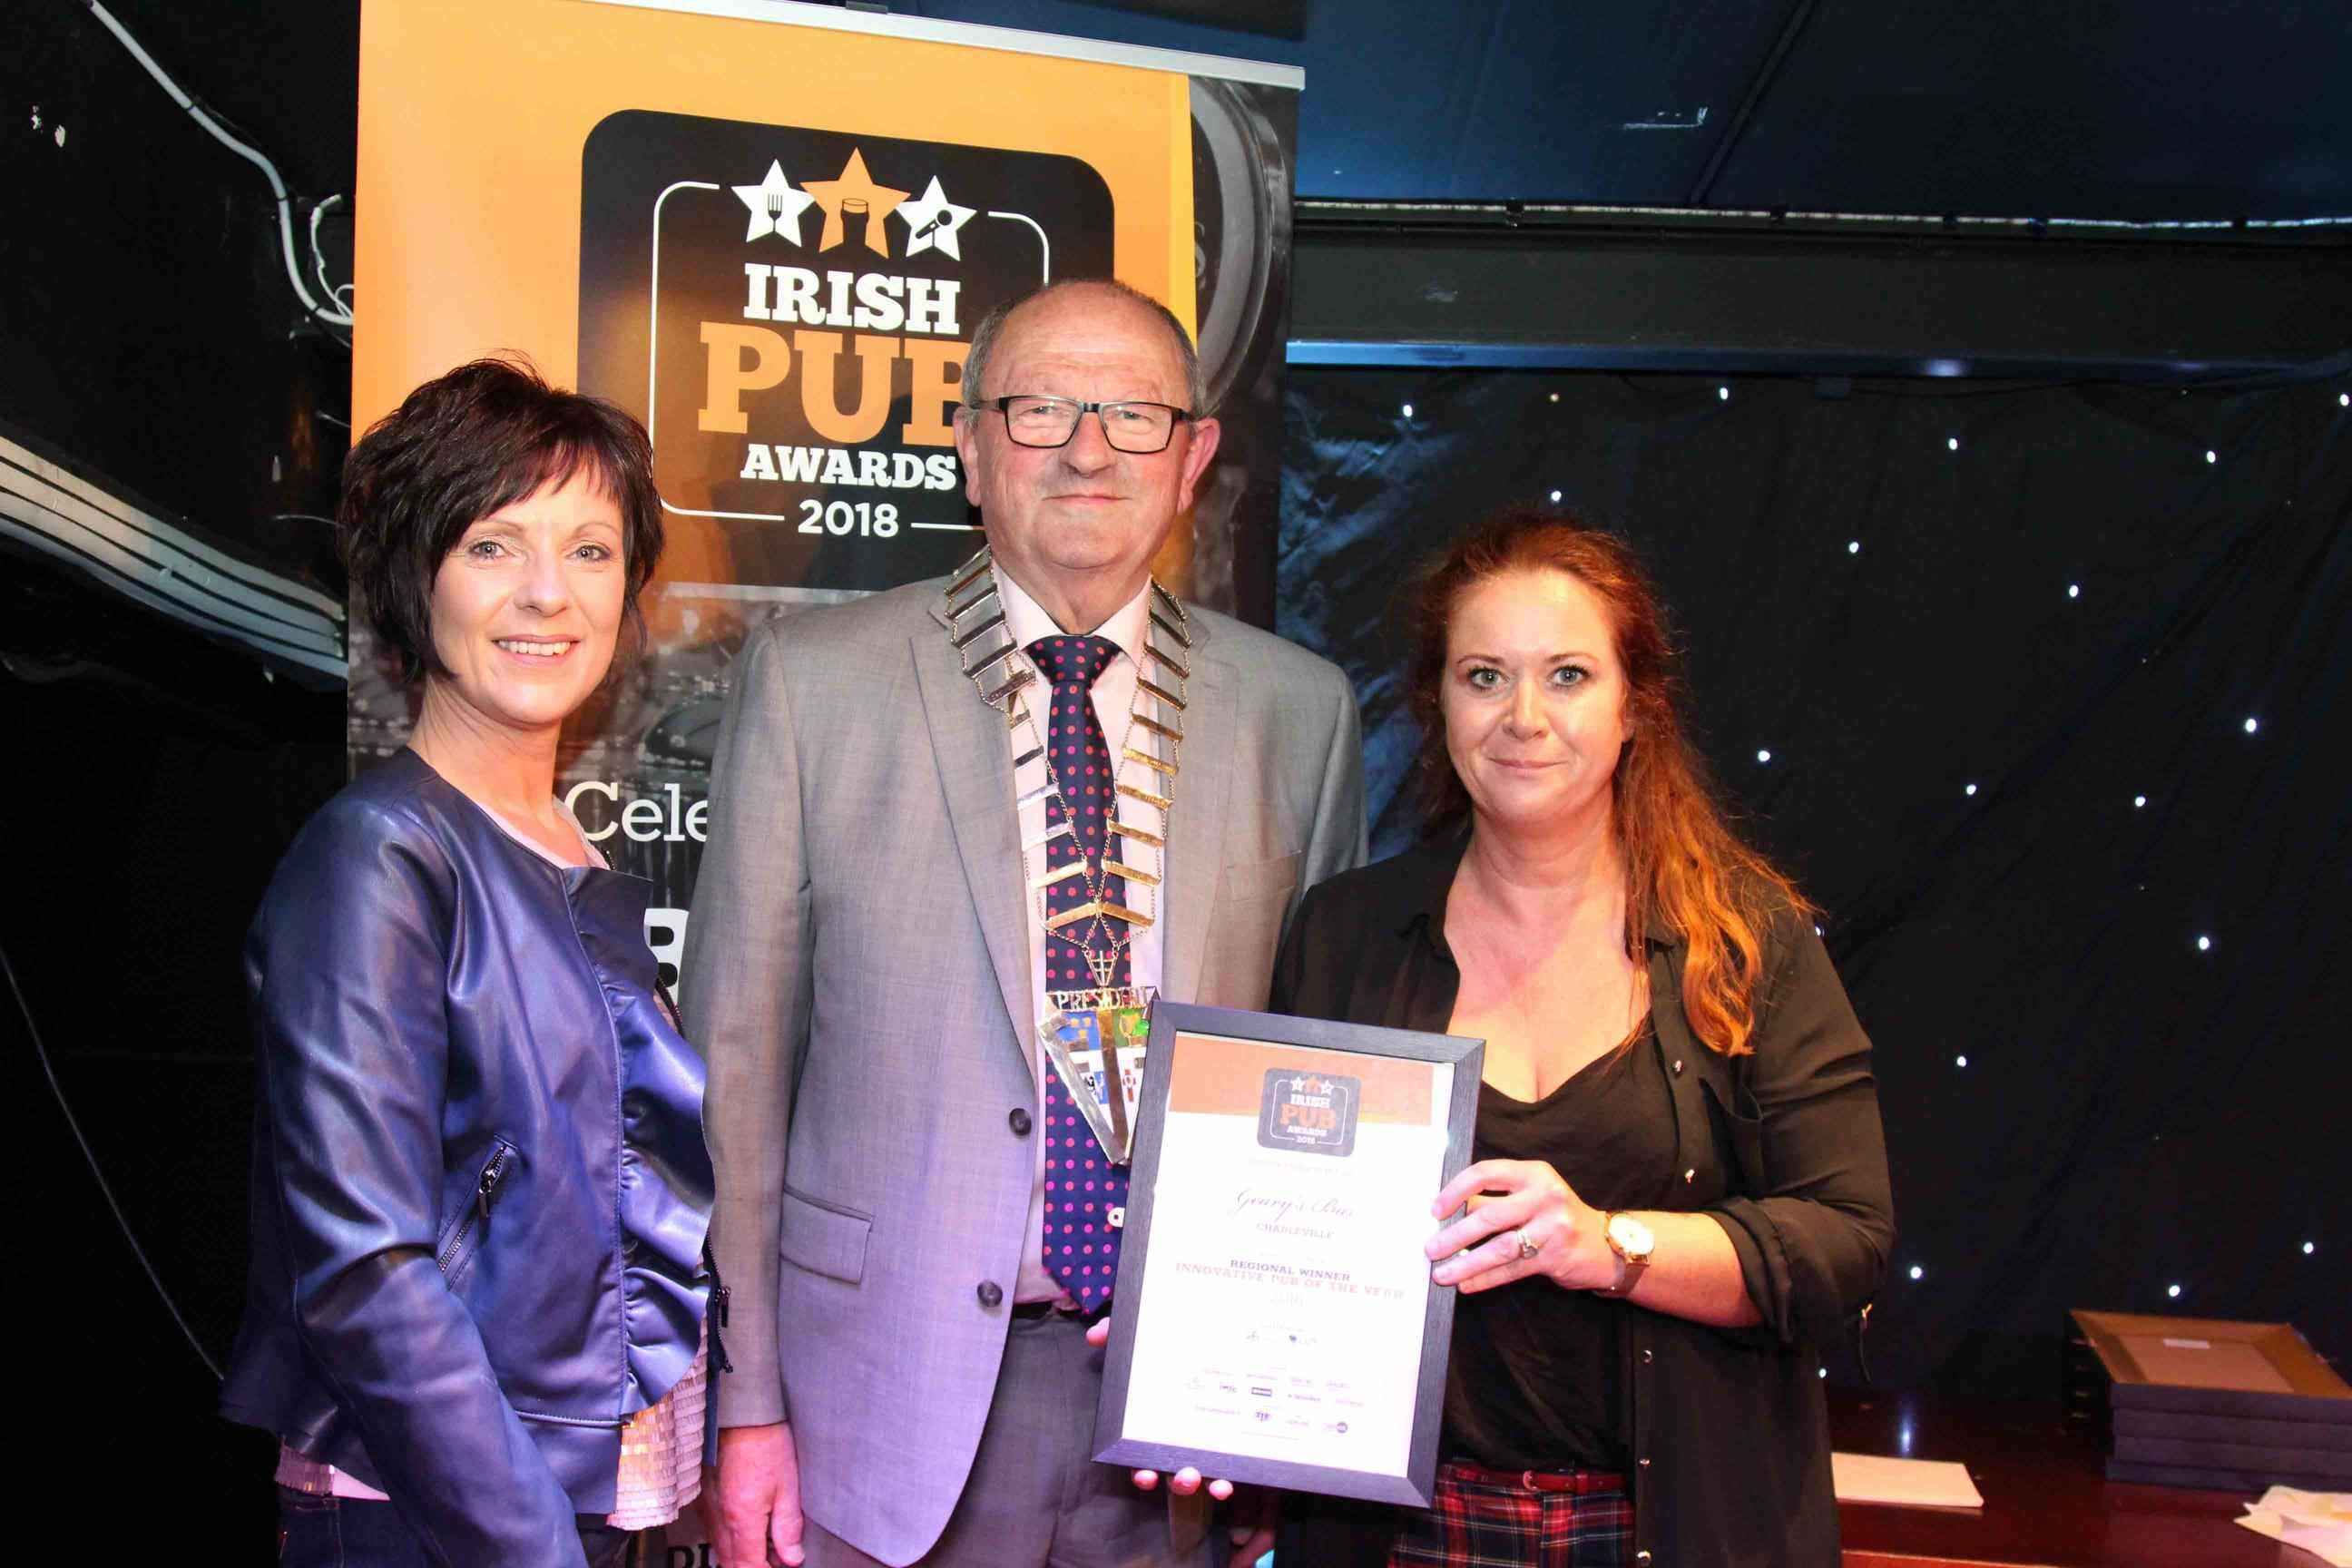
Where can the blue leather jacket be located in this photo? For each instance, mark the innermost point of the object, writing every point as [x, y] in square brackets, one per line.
[480, 1185]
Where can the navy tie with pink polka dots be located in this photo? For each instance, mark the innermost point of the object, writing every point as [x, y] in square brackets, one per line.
[1082, 1187]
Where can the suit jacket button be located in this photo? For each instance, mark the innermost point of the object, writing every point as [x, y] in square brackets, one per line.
[1019, 1122]
[991, 1293]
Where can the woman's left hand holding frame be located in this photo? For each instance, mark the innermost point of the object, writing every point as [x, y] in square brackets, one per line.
[1521, 1218]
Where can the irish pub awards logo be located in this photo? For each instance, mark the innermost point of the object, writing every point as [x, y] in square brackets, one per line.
[788, 310]
[1309, 1112]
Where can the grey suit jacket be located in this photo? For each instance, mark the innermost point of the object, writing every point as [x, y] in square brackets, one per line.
[857, 973]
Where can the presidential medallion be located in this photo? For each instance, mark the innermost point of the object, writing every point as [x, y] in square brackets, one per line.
[1094, 1040]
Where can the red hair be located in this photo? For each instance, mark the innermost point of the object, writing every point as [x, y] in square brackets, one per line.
[1684, 867]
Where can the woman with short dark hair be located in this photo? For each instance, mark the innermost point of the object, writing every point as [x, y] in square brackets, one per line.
[461, 446]
[475, 1317]
[1679, 1193]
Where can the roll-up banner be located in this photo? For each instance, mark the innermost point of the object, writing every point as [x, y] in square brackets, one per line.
[768, 230]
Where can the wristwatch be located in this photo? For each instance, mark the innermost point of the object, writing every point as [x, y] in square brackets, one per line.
[1633, 1243]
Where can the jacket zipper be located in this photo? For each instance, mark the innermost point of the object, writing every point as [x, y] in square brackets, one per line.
[484, 1191]
[718, 1314]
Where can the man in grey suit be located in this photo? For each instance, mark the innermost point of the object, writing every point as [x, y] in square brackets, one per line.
[947, 821]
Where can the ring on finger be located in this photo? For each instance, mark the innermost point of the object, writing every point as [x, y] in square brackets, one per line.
[1527, 1246]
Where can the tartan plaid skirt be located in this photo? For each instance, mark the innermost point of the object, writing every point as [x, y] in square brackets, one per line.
[1483, 1519]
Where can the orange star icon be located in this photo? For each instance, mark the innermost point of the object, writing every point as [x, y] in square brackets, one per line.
[855, 195]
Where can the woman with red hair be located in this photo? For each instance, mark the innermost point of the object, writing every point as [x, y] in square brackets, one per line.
[1679, 1194]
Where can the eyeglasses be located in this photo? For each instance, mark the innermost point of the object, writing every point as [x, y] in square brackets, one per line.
[1133, 428]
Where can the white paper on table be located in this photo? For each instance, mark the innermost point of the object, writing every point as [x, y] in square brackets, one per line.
[1909, 1483]
[2320, 1522]
[1302, 1343]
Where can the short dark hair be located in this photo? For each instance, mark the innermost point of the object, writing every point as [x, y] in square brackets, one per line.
[482, 436]
[984, 336]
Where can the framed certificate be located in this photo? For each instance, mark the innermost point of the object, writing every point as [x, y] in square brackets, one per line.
[1275, 1322]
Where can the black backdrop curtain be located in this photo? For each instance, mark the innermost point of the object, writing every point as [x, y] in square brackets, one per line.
[2039, 690]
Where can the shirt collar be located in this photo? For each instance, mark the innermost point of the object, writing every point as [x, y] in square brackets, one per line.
[1027, 620]
[1427, 873]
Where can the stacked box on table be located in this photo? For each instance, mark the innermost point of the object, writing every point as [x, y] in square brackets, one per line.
[2204, 1402]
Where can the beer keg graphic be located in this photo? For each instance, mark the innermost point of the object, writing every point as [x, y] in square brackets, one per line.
[1242, 137]
[1241, 204]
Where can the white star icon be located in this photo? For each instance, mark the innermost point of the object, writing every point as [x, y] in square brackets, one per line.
[933, 221]
[776, 206]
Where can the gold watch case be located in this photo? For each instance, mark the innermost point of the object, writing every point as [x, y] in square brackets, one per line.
[1630, 1239]
[1633, 1242]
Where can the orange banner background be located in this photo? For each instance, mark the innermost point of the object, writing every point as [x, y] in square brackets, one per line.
[473, 114]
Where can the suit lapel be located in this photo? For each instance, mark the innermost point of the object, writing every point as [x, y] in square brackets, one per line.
[975, 763]
[1196, 837]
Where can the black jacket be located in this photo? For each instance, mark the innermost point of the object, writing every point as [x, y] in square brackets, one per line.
[1727, 1427]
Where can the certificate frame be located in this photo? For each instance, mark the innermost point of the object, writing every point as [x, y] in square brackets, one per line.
[1268, 1037]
